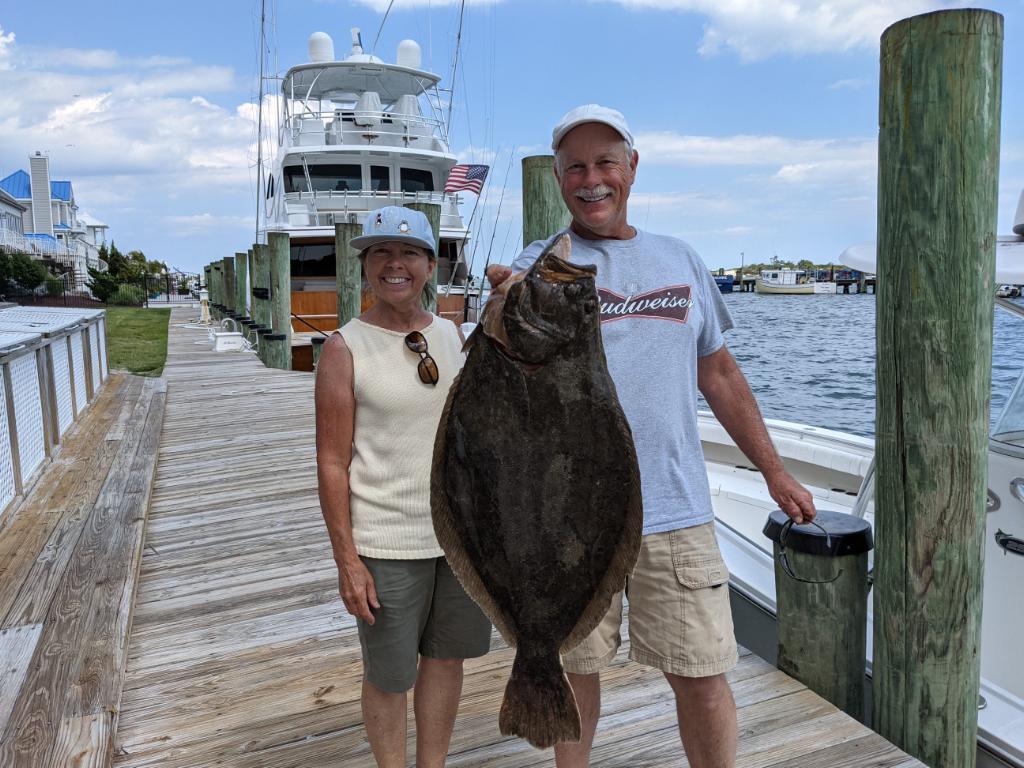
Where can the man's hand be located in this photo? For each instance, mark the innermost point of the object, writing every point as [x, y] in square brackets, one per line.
[498, 274]
[792, 498]
[355, 583]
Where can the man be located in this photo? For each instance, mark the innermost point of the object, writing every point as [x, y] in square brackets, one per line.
[662, 322]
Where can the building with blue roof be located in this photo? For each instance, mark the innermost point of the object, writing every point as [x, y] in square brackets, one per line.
[40, 216]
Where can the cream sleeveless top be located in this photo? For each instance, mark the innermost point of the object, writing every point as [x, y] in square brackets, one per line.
[396, 419]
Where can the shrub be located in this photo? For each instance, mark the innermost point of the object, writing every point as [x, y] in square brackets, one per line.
[19, 271]
[127, 295]
[54, 287]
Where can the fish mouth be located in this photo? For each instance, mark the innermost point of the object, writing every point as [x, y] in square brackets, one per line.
[554, 266]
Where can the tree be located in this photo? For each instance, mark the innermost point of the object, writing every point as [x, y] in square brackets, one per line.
[805, 264]
[103, 284]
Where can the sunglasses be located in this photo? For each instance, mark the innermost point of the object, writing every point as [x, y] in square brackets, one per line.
[427, 368]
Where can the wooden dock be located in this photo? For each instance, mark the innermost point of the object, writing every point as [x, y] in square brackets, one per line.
[241, 653]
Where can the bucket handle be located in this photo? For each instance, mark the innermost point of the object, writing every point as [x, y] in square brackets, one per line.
[784, 559]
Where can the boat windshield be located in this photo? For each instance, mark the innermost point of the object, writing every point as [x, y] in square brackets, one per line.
[1009, 428]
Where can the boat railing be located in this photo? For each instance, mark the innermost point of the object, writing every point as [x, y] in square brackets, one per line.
[325, 208]
[362, 128]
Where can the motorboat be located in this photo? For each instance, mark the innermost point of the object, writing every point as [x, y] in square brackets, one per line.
[791, 281]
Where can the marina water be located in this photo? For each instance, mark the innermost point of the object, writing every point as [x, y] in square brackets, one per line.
[811, 359]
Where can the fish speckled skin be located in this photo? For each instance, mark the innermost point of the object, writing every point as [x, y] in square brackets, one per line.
[535, 488]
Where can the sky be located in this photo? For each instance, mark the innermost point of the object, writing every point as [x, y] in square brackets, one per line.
[756, 120]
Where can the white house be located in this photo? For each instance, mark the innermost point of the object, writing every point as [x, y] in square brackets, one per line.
[51, 227]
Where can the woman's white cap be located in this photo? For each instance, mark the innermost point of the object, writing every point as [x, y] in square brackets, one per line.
[591, 113]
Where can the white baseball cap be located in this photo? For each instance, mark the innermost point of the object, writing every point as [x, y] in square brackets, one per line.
[591, 113]
[394, 223]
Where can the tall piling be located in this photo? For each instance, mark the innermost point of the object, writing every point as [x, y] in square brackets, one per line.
[229, 285]
[217, 289]
[433, 213]
[280, 262]
[938, 166]
[261, 298]
[544, 213]
[348, 272]
[241, 286]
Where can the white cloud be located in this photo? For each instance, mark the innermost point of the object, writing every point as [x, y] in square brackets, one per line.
[794, 160]
[756, 29]
[205, 223]
[854, 84]
[6, 43]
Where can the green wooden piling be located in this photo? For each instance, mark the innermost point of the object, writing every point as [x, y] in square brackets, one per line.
[217, 289]
[280, 262]
[241, 285]
[348, 272]
[229, 283]
[261, 293]
[938, 154]
[433, 213]
[544, 213]
[836, 611]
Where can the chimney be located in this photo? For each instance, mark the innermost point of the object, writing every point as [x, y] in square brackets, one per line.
[42, 213]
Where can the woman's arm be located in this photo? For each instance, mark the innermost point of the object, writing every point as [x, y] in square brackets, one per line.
[335, 424]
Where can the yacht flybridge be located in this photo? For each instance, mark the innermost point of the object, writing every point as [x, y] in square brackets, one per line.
[356, 135]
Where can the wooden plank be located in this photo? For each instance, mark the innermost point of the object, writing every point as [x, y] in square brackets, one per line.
[83, 742]
[17, 648]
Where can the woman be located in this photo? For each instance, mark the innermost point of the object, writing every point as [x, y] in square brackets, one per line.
[381, 385]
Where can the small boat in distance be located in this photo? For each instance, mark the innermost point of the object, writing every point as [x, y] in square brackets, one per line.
[791, 281]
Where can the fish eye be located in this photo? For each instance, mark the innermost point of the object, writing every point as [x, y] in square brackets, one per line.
[589, 306]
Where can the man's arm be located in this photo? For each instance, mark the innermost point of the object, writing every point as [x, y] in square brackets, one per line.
[727, 392]
[335, 424]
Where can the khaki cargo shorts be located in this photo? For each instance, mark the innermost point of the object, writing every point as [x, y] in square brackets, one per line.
[679, 616]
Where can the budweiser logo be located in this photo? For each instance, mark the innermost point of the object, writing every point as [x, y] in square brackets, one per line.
[671, 303]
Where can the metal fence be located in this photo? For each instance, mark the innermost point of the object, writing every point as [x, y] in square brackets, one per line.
[69, 284]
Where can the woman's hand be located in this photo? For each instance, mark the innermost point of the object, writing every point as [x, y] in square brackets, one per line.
[355, 583]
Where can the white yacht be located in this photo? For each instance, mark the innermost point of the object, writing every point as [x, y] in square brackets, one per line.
[355, 135]
[838, 469]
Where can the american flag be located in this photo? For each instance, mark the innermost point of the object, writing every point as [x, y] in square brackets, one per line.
[469, 177]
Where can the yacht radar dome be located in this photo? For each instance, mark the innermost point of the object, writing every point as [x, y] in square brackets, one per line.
[409, 54]
[321, 48]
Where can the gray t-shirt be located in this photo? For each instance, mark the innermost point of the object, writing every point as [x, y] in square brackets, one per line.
[660, 311]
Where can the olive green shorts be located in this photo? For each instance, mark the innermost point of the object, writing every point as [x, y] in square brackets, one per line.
[680, 619]
[424, 611]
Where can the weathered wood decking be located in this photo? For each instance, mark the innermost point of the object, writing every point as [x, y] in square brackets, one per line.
[241, 653]
[69, 557]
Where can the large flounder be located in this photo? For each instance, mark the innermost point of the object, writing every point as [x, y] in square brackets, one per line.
[535, 487]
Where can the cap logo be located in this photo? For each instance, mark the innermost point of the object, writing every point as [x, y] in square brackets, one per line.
[403, 227]
[379, 221]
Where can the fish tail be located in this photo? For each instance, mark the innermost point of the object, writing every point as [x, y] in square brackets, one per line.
[539, 705]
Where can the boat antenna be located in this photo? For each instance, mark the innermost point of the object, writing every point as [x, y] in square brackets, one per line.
[373, 48]
[259, 120]
[455, 67]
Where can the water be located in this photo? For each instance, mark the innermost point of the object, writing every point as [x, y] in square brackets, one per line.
[811, 359]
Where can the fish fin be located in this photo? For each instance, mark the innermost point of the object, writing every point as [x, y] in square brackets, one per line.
[447, 533]
[624, 559]
[539, 705]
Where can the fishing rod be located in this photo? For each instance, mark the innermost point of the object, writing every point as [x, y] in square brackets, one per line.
[497, 216]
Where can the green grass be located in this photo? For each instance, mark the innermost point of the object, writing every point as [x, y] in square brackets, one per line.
[137, 339]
